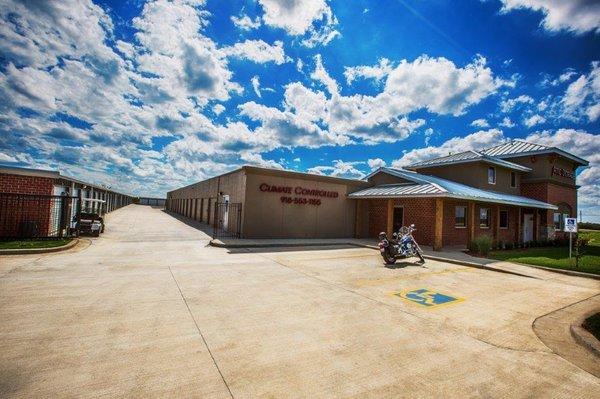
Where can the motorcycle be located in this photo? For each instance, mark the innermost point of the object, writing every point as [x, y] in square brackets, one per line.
[402, 245]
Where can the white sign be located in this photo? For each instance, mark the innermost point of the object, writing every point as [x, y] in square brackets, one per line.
[570, 225]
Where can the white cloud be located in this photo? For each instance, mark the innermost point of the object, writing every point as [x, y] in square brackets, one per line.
[377, 72]
[376, 163]
[480, 123]
[439, 86]
[300, 18]
[244, 22]
[508, 105]
[578, 16]
[582, 96]
[534, 120]
[475, 141]
[256, 85]
[321, 75]
[507, 122]
[218, 109]
[340, 169]
[258, 51]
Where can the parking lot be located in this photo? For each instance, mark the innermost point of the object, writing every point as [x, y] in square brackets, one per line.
[148, 310]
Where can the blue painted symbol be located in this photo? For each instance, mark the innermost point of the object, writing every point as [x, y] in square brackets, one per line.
[428, 298]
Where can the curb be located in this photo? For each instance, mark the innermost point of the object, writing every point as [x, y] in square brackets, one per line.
[33, 251]
[564, 271]
[430, 257]
[475, 265]
[583, 337]
[219, 244]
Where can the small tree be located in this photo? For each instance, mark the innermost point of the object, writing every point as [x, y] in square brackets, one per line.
[579, 249]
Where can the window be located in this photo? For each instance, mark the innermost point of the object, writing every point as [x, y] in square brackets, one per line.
[460, 216]
[513, 179]
[557, 221]
[504, 219]
[484, 217]
[492, 175]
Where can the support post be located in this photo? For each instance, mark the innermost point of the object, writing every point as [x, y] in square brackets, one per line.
[471, 221]
[519, 232]
[357, 218]
[390, 217]
[439, 224]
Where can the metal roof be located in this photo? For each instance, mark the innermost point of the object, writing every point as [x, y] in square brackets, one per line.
[516, 148]
[389, 190]
[431, 186]
[468, 156]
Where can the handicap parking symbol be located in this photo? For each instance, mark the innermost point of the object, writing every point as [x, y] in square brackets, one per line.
[428, 298]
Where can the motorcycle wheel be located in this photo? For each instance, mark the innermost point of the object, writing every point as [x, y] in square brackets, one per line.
[389, 259]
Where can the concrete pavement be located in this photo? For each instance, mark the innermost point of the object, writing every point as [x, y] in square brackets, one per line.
[148, 310]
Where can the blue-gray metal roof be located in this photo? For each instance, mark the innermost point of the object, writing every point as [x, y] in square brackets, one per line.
[468, 156]
[432, 186]
[516, 148]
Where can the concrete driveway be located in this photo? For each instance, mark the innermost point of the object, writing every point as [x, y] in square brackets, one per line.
[148, 310]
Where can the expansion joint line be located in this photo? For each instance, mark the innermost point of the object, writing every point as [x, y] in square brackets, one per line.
[200, 333]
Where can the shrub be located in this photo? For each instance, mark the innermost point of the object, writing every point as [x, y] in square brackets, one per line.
[501, 245]
[482, 244]
[510, 245]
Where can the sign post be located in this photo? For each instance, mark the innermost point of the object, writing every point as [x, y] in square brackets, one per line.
[570, 227]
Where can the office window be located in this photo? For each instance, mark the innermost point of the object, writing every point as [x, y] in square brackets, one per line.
[484, 217]
[504, 219]
[513, 179]
[460, 216]
[492, 175]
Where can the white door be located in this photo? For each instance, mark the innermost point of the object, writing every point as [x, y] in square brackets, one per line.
[528, 227]
[226, 212]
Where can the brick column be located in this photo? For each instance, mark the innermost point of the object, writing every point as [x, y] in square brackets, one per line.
[390, 217]
[439, 224]
[471, 220]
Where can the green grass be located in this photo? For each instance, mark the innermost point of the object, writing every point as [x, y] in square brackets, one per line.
[557, 257]
[29, 244]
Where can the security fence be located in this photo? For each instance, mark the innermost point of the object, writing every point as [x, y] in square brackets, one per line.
[36, 216]
[227, 220]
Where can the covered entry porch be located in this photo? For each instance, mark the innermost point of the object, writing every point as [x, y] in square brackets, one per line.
[446, 213]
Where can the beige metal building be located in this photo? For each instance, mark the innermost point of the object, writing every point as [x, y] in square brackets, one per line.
[267, 203]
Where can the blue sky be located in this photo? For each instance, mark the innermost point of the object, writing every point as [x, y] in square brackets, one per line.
[149, 96]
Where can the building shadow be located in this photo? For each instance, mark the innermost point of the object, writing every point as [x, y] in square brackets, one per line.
[291, 248]
[203, 227]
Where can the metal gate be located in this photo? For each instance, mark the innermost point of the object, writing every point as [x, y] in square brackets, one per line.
[227, 220]
[36, 216]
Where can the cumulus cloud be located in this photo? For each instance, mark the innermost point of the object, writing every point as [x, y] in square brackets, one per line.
[481, 123]
[314, 19]
[582, 96]
[578, 16]
[474, 141]
[244, 22]
[534, 120]
[340, 168]
[258, 51]
[508, 105]
[376, 72]
[376, 163]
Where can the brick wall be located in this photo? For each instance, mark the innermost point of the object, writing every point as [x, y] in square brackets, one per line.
[377, 216]
[452, 235]
[25, 184]
[18, 215]
[417, 211]
[553, 194]
[421, 213]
